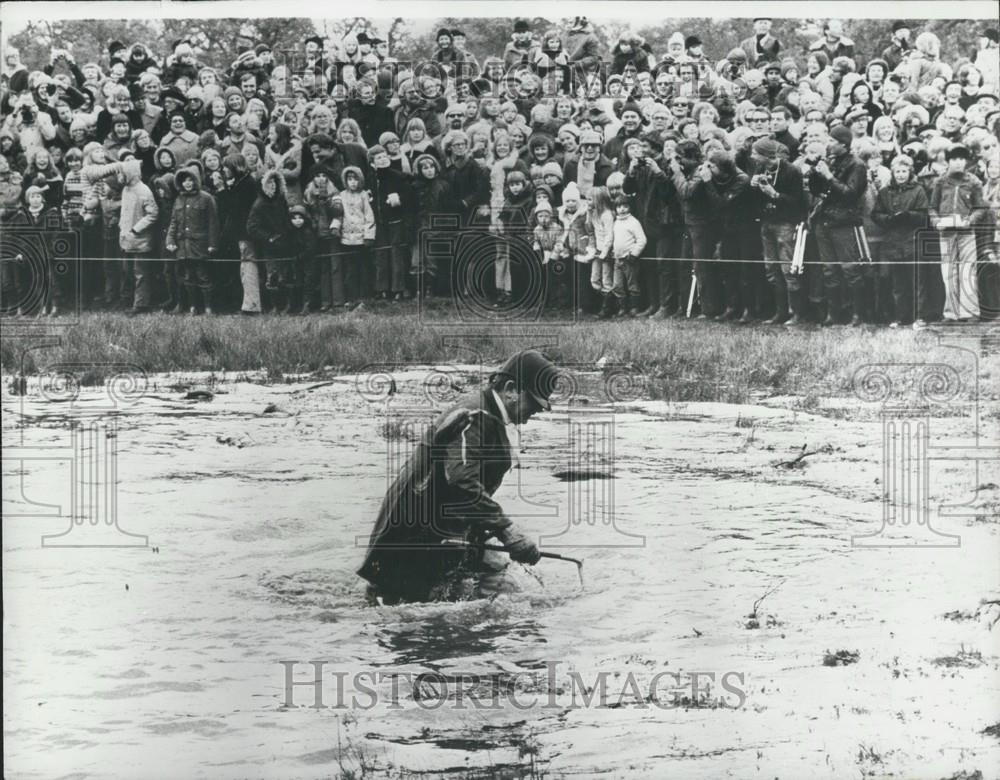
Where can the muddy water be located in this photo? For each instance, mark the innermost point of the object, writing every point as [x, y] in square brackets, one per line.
[131, 662]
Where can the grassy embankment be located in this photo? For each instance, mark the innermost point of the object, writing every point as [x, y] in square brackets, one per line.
[685, 361]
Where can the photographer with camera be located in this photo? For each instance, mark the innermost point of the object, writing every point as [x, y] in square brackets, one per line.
[777, 188]
[840, 181]
[652, 191]
[33, 128]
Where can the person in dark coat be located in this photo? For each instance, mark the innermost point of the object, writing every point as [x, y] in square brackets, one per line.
[584, 47]
[414, 104]
[840, 182]
[470, 181]
[589, 168]
[779, 196]
[901, 210]
[395, 210]
[370, 111]
[444, 492]
[139, 62]
[335, 156]
[193, 234]
[268, 228]
[653, 198]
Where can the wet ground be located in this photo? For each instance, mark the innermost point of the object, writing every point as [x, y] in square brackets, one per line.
[717, 540]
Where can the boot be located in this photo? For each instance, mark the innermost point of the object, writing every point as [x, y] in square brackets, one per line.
[746, 317]
[780, 306]
[606, 306]
[206, 297]
[662, 313]
[832, 309]
[729, 314]
[858, 301]
[622, 308]
[795, 307]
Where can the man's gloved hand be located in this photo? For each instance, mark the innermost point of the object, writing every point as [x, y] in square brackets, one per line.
[519, 546]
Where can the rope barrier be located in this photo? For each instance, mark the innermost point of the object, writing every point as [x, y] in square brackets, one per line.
[714, 260]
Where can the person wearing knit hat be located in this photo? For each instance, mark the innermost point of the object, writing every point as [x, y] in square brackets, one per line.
[520, 48]
[571, 128]
[629, 143]
[842, 134]
[116, 51]
[790, 71]
[552, 177]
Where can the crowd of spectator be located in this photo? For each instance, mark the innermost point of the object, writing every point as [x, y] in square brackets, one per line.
[827, 185]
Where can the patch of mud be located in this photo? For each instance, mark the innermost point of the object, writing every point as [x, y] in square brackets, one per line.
[841, 658]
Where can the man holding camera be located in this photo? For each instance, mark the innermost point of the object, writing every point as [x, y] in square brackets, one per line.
[778, 190]
[839, 181]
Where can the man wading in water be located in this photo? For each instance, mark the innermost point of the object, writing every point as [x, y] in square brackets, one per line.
[445, 492]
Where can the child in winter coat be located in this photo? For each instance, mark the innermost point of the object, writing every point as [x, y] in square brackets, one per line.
[548, 235]
[629, 241]
[325, 278]
[302, 244]
[601, 220]
[193, 235]
[356, 231]
[577, 240]
[42, 172]
[433, 196]
[513, 221]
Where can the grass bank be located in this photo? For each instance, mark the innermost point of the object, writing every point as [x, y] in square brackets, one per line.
[683, 360]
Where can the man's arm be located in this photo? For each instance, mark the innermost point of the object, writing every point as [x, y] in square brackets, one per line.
[467, 455]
